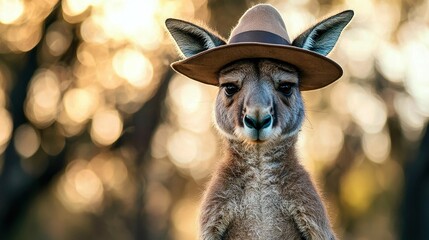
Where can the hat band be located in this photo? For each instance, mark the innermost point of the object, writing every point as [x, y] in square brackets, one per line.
[259, 36]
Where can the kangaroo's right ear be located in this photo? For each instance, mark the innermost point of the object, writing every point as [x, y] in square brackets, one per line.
[322, 37]
[190, 38]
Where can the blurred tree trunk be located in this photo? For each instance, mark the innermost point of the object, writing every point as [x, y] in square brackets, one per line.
[14, 182]
[415, 208]
[18, 188]
[145, 122]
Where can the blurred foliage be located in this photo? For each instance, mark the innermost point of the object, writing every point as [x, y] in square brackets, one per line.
[99, 139]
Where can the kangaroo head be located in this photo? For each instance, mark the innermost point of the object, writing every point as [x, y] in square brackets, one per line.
[259, 100]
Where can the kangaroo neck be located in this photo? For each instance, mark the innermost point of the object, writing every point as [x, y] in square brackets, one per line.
[275, 152]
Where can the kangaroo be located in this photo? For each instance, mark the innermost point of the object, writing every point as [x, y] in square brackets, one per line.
[260, 190]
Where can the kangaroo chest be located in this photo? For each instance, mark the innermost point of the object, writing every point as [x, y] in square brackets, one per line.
[260, 212]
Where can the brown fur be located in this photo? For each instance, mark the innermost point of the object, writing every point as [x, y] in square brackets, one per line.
[261, 191]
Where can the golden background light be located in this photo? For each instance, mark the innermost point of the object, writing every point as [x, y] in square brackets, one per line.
[111, 170]
[5, 128]
[44, 97]
[106, 127]
[80, 104]
[11, 10]
[91, 76]
[133, 66]
[80, 188]
[26, 140]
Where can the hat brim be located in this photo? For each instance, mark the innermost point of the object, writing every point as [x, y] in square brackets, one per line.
[316, 71]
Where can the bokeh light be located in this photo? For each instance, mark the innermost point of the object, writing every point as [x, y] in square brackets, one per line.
[11, 10]
[58, 39]
[159, 201]
[5, 128]
[111, 170]
[354, 196]
[323, 140]
[183, 148]
[184, 215]
[133, 66]
[376, 146]
[119, 147]
[80, 104]
[44, 97]
[75, 7]
[106, 127]
[80, 188]
[26, 140]
[367, 110]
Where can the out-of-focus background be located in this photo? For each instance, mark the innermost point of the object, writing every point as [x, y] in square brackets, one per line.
[99, 139]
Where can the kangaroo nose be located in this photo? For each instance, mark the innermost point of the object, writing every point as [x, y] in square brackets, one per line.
[251, 122]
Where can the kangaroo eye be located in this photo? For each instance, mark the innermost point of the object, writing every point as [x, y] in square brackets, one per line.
[230, 89]
[286, 88]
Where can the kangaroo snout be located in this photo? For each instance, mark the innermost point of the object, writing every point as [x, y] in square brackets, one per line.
[257, 123]
[257, 111]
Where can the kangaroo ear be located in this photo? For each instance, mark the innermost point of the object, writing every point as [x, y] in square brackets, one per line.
[190, 38]
[322, 37]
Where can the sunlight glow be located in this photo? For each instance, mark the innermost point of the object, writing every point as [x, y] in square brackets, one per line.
[75, 7]
[417, 82]
[44, 97]
[5, 128]
[391, 62]
[182, 148]
[376, 146]
[88, 185]
[92, 31]
[190, 96]
[2, 94]
[358, 189]
[80, 188]
[358, 47]
[120, 21]
[412, 120]
[324, 141]
[10, 10]
[58, 39]
[23, 38]
[106, 127]
[159, 201]
[364, 8]
[111, 170]
[158, 145]
[187, 152]
[296, 18]
[183, 217]
[133, 66]
[367, 109]
[200, 122]
[95, 63]
[80, 104]
[192, 103]
[89, 54]
[26, 140]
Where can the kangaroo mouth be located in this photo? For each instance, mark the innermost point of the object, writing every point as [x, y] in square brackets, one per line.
[257, 136]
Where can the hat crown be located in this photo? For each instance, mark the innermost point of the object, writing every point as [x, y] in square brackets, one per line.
[262, 17]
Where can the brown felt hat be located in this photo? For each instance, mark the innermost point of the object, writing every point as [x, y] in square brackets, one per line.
[261, 33]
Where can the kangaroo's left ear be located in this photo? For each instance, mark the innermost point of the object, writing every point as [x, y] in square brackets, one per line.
[322, 37]
[190, 38]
